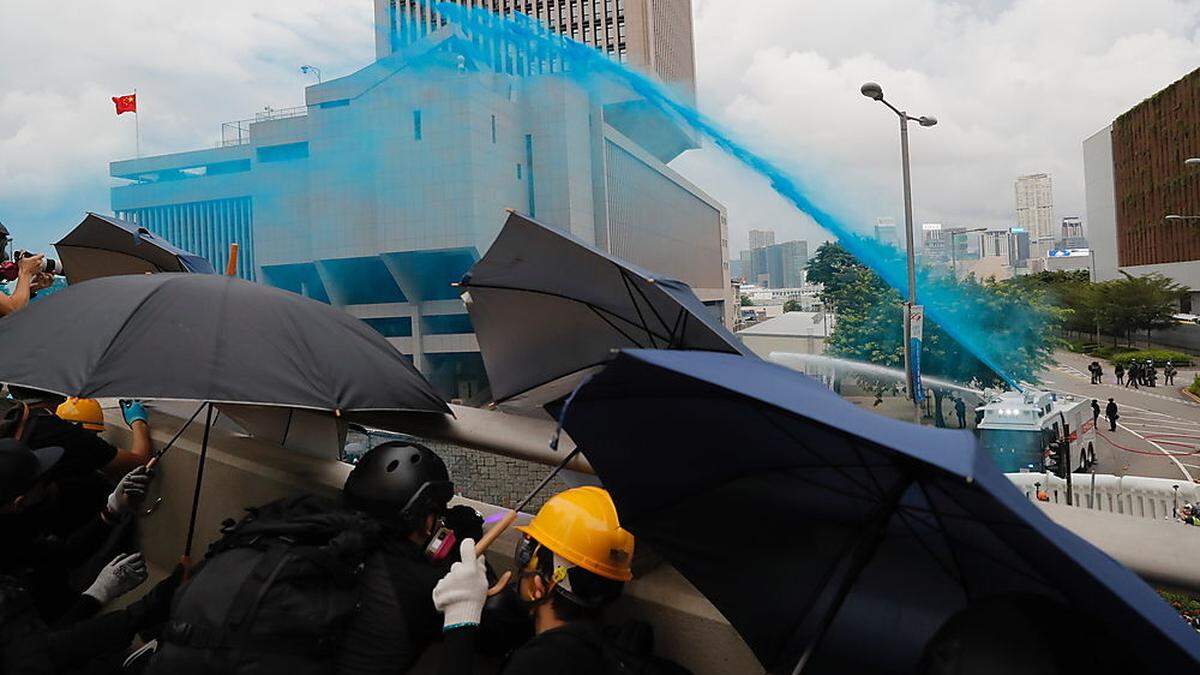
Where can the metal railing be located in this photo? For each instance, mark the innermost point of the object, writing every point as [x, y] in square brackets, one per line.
[1137, 496]
[237, 132]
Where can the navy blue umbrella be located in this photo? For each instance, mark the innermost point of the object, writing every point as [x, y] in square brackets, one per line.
[836, 540]
[102, 246]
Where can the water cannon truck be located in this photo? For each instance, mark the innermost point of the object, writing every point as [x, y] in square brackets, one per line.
[1019, 428]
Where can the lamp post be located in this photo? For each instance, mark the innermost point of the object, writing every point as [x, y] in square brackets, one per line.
[954, 247]
[311, 70]
[873, 91]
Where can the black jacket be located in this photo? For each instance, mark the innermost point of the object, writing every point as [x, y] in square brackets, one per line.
[1110, 410]
[574, 649]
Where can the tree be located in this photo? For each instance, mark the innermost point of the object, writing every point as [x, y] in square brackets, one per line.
[844, 280]
[1138, 303]
[792, 306]
[746, 301]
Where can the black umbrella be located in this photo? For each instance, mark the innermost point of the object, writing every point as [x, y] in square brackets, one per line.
[835, 540]
[207, 338]
[547, 308]
[101, 246]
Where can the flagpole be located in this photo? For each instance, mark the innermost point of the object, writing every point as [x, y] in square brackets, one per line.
[137, 126]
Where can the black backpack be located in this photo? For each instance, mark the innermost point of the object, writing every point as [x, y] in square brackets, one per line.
[272, 595]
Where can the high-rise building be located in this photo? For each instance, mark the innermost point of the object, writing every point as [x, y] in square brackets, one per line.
[935, 243]
[761, 238]
[1135, 176]
[998, 244]
[1035, 211]
[776, 265]
[391, 181]
[886, 233]
[1024, 245]
[654, 36]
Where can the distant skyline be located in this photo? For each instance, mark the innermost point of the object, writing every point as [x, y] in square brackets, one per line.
[1016, 85]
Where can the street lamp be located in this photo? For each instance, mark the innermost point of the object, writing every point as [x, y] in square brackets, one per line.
[954, 247]
[312, 70]
[875, 92]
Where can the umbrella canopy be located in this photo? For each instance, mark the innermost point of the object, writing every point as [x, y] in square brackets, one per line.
[206, 337]
[547, 307]
[101, 246]
[816, 526]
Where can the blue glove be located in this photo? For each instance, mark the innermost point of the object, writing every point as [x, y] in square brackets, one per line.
[133, 411]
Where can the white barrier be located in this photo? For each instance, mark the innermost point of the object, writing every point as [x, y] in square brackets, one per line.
[1137, 496]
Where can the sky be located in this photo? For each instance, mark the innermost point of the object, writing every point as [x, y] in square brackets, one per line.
[1016, 86]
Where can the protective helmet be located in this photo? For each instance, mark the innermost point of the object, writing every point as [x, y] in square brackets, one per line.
[580, 526]
[399, 480]
[86, 411]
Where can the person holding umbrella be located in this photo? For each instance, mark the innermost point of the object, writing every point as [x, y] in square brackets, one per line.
[572, 561]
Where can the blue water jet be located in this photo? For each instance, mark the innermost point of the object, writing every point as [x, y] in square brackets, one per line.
[954, 307]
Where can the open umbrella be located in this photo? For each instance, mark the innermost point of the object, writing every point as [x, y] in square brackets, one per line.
[547, 308]
[101, 246]
[211, 339]
[835, 540]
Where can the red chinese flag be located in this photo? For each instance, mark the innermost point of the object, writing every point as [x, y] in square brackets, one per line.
[126, 103]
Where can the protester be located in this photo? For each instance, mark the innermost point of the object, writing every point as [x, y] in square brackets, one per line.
[1119, 371]
[572, 561]
[1110, 411]
[29, 278]
[1188, 514]
[355, 598]
[51, 560]
[960, 411]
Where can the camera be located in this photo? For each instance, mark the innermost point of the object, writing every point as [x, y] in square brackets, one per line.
[10, 270]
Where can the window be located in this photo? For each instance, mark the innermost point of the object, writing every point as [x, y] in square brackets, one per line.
[518, 172]
[416, 125]
[493, 128]
[283, 153]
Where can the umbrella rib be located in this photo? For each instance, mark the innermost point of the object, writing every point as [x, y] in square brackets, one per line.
[650, 304]
[953, 573]
[614, 326]
[636, 308]
[560, 296]
[962, 577]
[762, 410]
[988, 524]
[679, 318]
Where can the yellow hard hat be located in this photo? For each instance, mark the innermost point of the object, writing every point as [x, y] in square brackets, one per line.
[580, 525]
[86, 411]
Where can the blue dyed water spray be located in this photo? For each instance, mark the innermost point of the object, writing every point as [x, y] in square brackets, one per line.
[950, 305]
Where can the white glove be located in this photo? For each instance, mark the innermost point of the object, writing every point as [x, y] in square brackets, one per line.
[125, 573]
[461, 593]
[132, 488]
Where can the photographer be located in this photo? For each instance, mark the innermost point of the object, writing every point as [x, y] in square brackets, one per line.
[28, 277]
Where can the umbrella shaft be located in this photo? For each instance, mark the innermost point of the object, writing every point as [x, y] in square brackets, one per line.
[187, 549]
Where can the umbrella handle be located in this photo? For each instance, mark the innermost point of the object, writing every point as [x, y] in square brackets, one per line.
[231, 266]
[491, 535]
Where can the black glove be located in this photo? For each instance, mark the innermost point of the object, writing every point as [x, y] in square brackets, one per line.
[154, 608]
[465, 521]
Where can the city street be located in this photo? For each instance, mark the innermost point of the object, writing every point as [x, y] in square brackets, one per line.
[1158, 432]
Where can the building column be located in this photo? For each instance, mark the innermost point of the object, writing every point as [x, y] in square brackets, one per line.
[413, 296]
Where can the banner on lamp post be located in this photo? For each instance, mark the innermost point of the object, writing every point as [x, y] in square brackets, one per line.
[916, 315]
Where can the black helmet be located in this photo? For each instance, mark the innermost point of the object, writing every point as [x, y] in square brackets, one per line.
[400, 481]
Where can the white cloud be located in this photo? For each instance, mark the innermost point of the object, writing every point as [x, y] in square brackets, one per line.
[194, 64]
[1016, 87]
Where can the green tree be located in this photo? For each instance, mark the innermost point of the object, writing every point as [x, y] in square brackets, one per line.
[746, 301]
[1127, 306]
[845, 281]
[792, 306]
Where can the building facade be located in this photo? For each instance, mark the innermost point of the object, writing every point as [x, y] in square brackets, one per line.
[776, 265]
[655, 36]
[761, 238]
[886, 232]
[1136, 176]
[1035, 211]
[389, 184]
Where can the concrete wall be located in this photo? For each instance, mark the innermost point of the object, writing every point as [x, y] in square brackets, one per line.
[1100, 196]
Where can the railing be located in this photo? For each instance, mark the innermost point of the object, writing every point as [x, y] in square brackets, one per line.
[237, 132]
[1137, 496]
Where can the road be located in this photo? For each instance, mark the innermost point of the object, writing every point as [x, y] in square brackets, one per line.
[1158, 433]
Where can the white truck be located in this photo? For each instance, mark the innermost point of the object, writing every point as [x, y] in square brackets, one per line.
[1017, 428]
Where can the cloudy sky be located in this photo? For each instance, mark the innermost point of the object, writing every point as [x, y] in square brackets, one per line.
[1016, 86]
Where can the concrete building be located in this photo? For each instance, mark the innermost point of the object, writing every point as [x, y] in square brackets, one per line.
[886, 232]
[776, 265]
[1135, 176]
[1068, 260]
[393, 180]
[655, 36]
[935, 243]
[791, 332]
[761, 238]
[1035, 211]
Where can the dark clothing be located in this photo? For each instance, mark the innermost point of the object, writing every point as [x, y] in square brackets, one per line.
[28, 646]
[1110, 411]
[960, 411]
[396, 620]
[1095, 412]
[574, 649]
[50, 560]
[84, 452]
